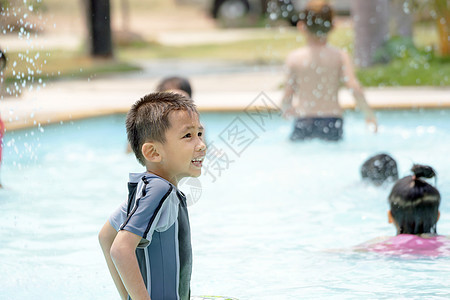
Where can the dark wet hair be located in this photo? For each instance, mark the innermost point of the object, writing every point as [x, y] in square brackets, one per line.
[379, 169]
[148, 119]
[175, 83]
[415, 203]
[318, 17]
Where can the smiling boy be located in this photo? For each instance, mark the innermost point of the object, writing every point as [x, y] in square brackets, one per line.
[146, 241]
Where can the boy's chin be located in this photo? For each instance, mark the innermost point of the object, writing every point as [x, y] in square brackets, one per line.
[192, 174]
[197, 174]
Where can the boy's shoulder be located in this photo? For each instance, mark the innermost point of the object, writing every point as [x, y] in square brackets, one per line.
[156, 184]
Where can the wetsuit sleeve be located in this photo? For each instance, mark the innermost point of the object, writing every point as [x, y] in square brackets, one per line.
[119, 216]
[152, 210]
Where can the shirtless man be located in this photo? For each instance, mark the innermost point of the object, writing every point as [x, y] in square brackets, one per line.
[315, 74]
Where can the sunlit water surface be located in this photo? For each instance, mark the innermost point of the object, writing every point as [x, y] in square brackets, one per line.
[265, 227]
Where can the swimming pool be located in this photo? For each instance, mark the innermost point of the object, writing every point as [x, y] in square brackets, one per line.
[264, 224]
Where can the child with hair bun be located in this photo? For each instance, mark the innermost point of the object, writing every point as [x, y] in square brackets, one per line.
[414, 211]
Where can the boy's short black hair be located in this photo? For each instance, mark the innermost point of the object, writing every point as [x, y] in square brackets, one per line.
[379, 168]
[414, 203]
[148, 119]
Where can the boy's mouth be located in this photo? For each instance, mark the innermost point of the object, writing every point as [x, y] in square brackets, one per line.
[198, 161]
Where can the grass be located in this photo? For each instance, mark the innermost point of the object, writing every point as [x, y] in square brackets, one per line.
[37, 67]
[411, 72]
[418, 67]
[268, 46]
[271, 46]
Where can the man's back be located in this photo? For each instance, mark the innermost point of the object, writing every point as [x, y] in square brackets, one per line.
[315, 74]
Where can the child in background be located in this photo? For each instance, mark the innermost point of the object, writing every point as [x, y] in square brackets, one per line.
[146, 241]
[414, 211]
[315, 74]
[175, 84]
[379, 169]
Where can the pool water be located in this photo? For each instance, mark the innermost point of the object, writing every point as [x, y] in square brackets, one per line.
[271, 219]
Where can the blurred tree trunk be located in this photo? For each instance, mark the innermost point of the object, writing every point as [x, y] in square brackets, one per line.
[401, 17]
[99, 25]
[443, 23]
[371, 25]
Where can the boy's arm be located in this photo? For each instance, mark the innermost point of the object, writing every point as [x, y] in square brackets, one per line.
[106, 238]
[124, 257]
[351, 82]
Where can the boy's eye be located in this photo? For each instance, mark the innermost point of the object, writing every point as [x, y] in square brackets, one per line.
[200, 134]
[187, 135]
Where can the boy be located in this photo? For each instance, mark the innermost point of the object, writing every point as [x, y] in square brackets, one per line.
[174, 84]
[146, 241]
[315, 73]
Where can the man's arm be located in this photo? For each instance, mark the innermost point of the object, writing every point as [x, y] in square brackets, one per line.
[352, 83]
[106, 238]
[288, 93]
[286, 102]
[123, 254]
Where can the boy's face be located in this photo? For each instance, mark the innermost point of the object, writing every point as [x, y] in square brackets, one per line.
[183, 152]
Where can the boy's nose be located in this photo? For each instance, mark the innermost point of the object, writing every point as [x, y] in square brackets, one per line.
[201, 146]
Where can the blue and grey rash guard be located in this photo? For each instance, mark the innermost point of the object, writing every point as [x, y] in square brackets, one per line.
[157, 212]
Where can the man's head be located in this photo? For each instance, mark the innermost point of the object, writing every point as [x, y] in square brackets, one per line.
[317, 17]
[148, 119]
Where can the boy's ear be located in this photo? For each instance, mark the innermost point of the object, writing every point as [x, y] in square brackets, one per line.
[439, 214]
[150, 152]
[390, 218]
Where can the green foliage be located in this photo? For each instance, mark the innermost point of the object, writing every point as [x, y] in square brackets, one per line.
[400, 63]
[396, 48]
[421, 70]
[36, 5]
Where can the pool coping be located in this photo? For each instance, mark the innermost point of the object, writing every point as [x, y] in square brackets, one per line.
[64, 101]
